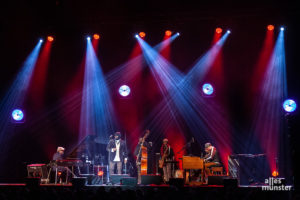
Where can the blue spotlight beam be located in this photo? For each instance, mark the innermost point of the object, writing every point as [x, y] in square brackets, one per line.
[97, 113]
[268, 123]
[200, 69]
[205, 119]
[169, 80]
[16, 94]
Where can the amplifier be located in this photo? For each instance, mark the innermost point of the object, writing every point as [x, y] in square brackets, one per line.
[37, 171]
[151, 179]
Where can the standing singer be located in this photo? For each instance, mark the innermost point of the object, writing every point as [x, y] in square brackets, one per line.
[117, 153]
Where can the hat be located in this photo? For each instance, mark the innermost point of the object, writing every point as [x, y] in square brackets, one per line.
[207, 145]
[118, 134]
[60, 149]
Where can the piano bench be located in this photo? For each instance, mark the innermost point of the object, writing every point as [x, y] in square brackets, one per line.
[217, 171]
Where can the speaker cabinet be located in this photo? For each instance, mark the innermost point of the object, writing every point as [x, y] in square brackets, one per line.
[215, 180]
[151, 179]
[178, 182]
[131, 181]
[116, 178]
[79, 182]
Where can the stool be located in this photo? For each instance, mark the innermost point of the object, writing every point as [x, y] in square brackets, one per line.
[217, 171]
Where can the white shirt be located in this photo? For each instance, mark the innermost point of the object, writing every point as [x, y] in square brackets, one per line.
[117, 157]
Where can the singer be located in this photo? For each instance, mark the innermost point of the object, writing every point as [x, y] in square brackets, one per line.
[117, 153]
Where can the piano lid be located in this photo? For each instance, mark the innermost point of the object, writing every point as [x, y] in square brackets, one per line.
[88, 147]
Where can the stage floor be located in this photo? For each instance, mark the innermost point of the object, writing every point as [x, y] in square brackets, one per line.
[57, 191]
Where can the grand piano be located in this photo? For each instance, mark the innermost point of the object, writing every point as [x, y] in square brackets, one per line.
[85, 159]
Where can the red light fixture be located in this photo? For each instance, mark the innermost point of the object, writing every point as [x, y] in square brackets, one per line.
[142, 34]
[50, 38]
[100, 173]
[275, 173]
[270, 27]
[219, 30]
[96, 36]
[168, 33]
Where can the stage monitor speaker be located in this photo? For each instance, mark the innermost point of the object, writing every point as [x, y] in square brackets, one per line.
[79, 182]
[151, 179]
[178, 182]
[131, 181]
[116, 178]
[32, 182]
[230, 183]
[215, 180]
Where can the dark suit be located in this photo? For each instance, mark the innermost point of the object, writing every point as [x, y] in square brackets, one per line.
[112, 155]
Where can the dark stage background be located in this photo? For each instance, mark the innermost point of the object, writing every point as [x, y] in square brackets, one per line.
[69, 21]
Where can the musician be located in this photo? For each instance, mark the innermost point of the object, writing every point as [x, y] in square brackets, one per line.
[60, 170]
[167, 154]
[137, 152]
[117, 153]
[59, 154]
[211, 158]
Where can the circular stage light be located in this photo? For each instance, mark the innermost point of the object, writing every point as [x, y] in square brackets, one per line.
[50, 38]
[88, 38]
[228, 31]
[96, 36]
[142, 34]
[282, 28]
[219, 30]
[124, 90]
[168, 33]
[208, 89]
[289, 105]
[41, 40]
[17, 115]
[270, 27]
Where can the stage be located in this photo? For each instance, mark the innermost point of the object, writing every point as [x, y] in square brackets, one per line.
[15, 191]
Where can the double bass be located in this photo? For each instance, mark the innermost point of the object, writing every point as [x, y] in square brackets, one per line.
[144, 156]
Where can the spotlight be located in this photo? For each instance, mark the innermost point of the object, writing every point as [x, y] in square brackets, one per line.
[275, 173]
[282, 28]
[124, 90]
[228, 31]
[88, 38]
[41, 40]
[219, 30]
[289, 105]
[270, 27]
[168, 33]
[50, 38]
[178, 33]
[207, 89]
[96, 36]
[142, 34]
[136, 35]
[17, 115]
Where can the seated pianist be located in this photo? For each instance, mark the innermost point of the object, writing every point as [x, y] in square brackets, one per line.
[211, 158]
[60, 172]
